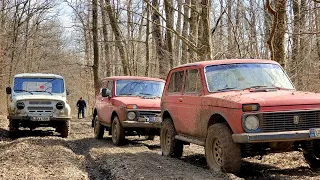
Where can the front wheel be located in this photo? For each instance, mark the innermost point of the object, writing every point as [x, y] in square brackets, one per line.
[65, 128]
[98, 129]
[222, 154]
[313, 158]
[118, 136]
[169, 145]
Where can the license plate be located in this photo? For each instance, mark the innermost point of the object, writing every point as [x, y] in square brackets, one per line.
[155, 119]
[314, 132]
[40, 118]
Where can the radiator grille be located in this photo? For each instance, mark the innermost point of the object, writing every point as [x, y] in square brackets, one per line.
[149, 113]
[40, 109]
[290, 121]
[40, 102]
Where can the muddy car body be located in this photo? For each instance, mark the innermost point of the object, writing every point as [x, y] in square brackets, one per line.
[38, 100]
[127, 105]
[238, 108]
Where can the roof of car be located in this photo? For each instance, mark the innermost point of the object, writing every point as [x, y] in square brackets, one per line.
[135, 78]
[227, 61]
[42, 75]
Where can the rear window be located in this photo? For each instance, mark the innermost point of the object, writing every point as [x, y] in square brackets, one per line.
[175, 84]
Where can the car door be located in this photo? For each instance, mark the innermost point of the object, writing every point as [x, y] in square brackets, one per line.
[106, 106]
[190, 102]
[173, 94]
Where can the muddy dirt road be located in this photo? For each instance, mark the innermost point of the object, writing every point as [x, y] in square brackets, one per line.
[41, 154]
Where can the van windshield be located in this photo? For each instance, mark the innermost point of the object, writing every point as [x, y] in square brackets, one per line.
[50, 85]
[248, 75]
[139, 88]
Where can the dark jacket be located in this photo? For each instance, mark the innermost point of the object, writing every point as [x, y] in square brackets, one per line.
[81, 104]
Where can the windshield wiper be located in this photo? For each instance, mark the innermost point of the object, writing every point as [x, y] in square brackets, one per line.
[43, 91]
[257, 87]
[23, 91]
[125, 94]
[226, 89]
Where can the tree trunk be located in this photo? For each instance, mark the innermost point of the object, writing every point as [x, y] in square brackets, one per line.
[194, 16]
[295, 41]
[95, 45]
[163, 64]
[303, 44]
[317, 21]
[169, 25]
[147, 42]
[253, 31]
[105, 38]
[205, 41]
[177, 43]
[185, 29]
[118, 36]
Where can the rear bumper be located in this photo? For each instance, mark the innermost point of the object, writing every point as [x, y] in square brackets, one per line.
[28, 118]
[272, 137]
[136, 124]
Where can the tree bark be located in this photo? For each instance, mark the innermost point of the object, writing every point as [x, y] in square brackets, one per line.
[147, 42]
[177, 44]
[118, 36]
[163, 65]
[95, 45]
[169, 24]
[105, 38]
[295, 41]
[205, 41]
[185, 34]
[194, 16]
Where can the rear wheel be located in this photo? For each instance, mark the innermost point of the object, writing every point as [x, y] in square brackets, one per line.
[222, 154]
[98, 129]
[169, 145]
[64, 128]
[118, 136]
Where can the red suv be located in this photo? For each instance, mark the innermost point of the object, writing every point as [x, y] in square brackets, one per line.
[127, 105]
[238, 108]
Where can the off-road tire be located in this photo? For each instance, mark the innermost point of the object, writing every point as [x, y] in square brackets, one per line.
[64, 128]
[313, 158]
[150, 137]
[98, 129]
[13, 129]
[169, 145]
[222, 154]
[117, 130]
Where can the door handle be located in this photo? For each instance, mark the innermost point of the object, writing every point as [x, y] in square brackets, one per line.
[180, 99]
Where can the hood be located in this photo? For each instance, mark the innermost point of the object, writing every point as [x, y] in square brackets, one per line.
[235, 99]
[142, 103]
[38, 97]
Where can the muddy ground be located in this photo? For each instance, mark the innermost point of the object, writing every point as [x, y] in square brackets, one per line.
[42, 154]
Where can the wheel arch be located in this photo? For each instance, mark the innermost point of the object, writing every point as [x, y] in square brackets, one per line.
[217, 118]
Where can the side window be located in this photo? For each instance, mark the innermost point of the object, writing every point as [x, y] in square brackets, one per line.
[193, 82]
[175, 84]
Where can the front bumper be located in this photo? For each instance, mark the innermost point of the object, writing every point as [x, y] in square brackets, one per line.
[137, 124]
[272, 136]
[28, 118]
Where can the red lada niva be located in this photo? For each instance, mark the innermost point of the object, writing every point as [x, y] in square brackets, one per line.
[238, 108]
[127, 105]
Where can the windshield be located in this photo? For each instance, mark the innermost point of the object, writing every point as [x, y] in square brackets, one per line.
[139, 88]
[243, 76]
[50, 85]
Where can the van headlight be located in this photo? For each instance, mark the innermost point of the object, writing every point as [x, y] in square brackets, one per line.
[60, 105]
[251, 122]
[20, 105]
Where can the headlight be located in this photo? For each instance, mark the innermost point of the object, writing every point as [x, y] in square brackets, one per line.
[60, 105]
[20, 105]
[131, 115]
[251, 122]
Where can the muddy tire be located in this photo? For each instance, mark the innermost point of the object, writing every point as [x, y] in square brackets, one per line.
[13, 129]
[150, 137]
[118, 137]
[222, 154]
[169, 145]
[98, 129]
[64, 128]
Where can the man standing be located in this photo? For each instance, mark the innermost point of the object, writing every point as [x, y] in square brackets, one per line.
[81, 104]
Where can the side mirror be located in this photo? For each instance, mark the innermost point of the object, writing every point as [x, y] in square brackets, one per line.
[106, 92]
[8, 90]
[68, 92]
